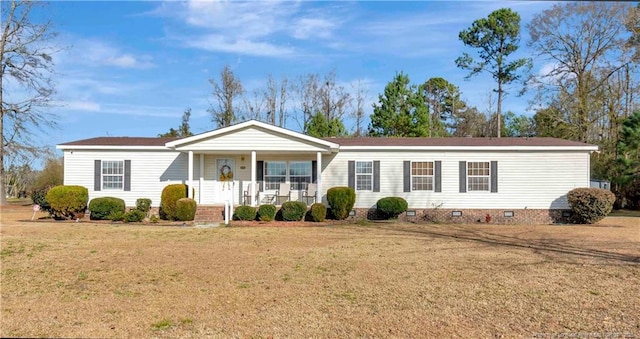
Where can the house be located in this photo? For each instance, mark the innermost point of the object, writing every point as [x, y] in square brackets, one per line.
[507, 180]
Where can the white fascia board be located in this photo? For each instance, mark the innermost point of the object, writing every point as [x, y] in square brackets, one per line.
[173, 144]
[109, 148]
[469, 148]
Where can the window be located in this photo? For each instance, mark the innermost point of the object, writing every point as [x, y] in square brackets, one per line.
[422, 176]
[112, 175]
[478, 174]
[364, 175]
[299, 174]
[275, 172]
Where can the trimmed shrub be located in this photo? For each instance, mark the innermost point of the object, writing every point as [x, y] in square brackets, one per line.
[590, 205]
[144, 205]
[267, 212]
[186, 209]
[341, 201]
[244, 213]
[317, 213]
[170, 196]
[67, 202]
[117, 216]
[154, 219]
[293, 210]
[39, 197]
[102, 207]
[135, 215]
[391, 207]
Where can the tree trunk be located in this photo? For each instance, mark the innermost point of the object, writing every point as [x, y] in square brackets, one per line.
[499, 111]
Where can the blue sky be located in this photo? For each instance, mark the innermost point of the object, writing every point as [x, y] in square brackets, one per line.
[132, 68]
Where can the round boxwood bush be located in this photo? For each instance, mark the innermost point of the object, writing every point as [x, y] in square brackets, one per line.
[68, 202]
[135, 215]
[144, 205]
[391, 207]
[293, 210]
[267, 212]
[170, 196]
[317, 213]
[244, 213]
[590, 205]
[341, 201]
[186, 209]
[102, 207]
[116, 216]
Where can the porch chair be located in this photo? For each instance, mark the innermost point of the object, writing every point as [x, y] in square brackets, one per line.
[310, 193]
[284, 191]
[248, 199]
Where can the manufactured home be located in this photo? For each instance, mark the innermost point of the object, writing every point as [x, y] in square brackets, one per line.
[506, 180]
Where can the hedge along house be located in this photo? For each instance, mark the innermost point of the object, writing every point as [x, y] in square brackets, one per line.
[448, 179]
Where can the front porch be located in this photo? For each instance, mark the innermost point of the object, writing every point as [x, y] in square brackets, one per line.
[251, 163]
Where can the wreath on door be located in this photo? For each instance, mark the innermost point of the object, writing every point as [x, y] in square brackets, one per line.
[226, 174]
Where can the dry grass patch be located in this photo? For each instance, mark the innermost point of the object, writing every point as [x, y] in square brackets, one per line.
[381, 280]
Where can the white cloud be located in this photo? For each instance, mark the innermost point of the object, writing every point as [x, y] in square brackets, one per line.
[306, 28]
[241, 46]
[98, 53]
[89, 106]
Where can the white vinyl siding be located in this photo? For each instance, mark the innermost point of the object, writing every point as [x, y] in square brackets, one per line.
[526, 179]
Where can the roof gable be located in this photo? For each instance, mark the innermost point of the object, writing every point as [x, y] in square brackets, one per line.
[252, 135]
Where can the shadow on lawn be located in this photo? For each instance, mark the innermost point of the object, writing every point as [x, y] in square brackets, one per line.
[541, 245]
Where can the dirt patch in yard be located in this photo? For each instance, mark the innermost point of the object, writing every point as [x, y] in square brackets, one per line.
[339, 280]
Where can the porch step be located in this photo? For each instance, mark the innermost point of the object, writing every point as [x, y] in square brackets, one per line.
[209, 214]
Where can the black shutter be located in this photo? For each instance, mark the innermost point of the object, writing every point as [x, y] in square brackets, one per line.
[260, 172]
[463, 176]
[352, 174]
[437, 185]
[376, 176]
[97, 175]
[314, 171]
[127, 175]
[494, 177]
[406, 175]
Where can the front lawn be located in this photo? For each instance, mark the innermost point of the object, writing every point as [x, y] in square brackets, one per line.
[375, 280]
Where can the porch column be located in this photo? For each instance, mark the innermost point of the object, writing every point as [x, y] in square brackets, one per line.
[252, 185]
[200, 186]
[319, 177]
[190, 175]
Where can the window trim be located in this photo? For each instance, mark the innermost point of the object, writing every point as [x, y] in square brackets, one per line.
[102, 175]
[432, 176]
[468, 176]
[266, 176]
[370, 175]
[289, 175]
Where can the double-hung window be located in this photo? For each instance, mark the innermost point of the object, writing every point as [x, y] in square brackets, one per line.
[422, 176]
[299, 174]
[478, 176]
[112, 175]
[364, 175]
[275, 173]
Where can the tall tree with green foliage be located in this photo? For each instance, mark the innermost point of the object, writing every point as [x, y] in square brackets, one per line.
[496, 38]
[401, 111]
[184, 130]
[627, 181]
[26, 68]
[319, 127]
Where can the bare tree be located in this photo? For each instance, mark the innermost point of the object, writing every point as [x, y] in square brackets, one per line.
[321, 95]
[26, 68]
[586, 45]
[225, 92]
[275, 100]
[360, 98]
[255, 106]
[282, 106]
